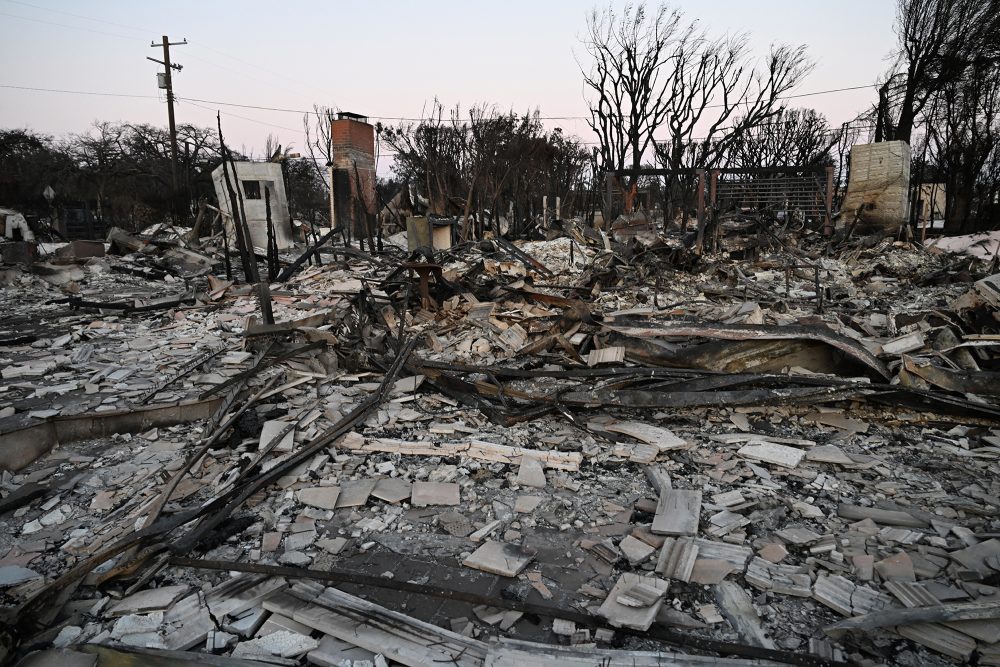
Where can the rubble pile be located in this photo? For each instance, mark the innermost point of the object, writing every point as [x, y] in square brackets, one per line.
[569, 451]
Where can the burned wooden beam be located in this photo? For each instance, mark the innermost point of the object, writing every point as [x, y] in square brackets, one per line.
[183, 372]
[292, 268]
[523, 257]
[262, 364]
[941, 613]
[741, 332]
[667, 399]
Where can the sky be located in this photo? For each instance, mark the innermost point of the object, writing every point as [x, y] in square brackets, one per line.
[378, 58]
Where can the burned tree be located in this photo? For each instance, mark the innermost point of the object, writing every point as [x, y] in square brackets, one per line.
[719, 84]
[431, 153]
[653, 73]
[938, 41]
[794, 137]
[716, 85]
[628, 87]
[963, 134]
[317, 132]
[483, 165]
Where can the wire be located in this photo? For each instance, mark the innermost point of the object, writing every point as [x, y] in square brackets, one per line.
[275, 81]
[252, 106]
[283, 76]
[252, 120]
[71, 27]
[277, 76]
[78, 92]
[195, 102]
[79, 16]
[408, 118]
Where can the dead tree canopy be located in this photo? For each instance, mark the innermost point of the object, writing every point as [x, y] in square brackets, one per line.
[626, 85]
[963, 142]
[938, 41]
[316, 127]
[656, 79]
[482, 163]
[793, 137]
[719, 92]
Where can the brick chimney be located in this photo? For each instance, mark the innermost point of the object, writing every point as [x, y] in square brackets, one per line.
[352, 148]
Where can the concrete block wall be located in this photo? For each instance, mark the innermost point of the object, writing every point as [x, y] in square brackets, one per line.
[267, 175]
[879, 185]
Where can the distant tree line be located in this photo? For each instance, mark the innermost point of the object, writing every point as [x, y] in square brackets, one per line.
[121, 173]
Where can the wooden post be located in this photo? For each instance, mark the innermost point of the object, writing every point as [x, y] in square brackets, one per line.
[713, 207]
[545, 211]
[312, 225]
[701, 211]
[608, 176]
[243, 228]
[264, 296]
[828, 217]
[246, 253]
[930, 213]
[558, 206]
[272, 242]
[195, 233]
[333, 211]
[225, 247]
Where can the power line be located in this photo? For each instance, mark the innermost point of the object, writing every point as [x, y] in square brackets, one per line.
[78, 92]
[285, 110]
[230, 113]
[276, 80]
[195, 102]
[252, 106]
[79, 16]
[71, 27]
[408, 118]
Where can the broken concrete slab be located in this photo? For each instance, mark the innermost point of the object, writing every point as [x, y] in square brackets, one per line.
[321, 497]
[269, 433]
[636, 551]
[633, 589]
[661, 438]
[332, 652]
[152, 599]
[507, 560]
[677, 513]
[12, 575]
[677, 558]
[434, 493]
[354, 493]
[527, 504]
[283, 644]
[769, 452]
[392, 490]
[530, 473]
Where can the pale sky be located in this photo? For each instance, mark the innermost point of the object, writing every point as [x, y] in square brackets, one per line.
[384, 59]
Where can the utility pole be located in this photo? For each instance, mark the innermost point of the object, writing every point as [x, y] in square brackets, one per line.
[168, 81]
